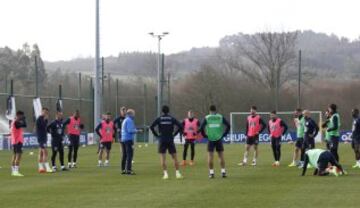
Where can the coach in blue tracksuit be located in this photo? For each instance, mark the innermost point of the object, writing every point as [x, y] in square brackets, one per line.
[128, 131]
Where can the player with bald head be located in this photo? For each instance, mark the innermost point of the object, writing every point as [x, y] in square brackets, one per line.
[311, 131]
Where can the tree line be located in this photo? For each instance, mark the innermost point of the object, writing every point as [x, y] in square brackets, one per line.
[246, 69]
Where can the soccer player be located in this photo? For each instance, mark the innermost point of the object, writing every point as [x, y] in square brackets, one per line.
[128, 131]
[56, 129]
[254, 126]
[164, 129]
[333, 131]
[311, 131]
[320, 160]
[17, 140]
[191, 127]
[118, 122]
[74, 127]
[356, 136]
[212, 128]
[299, 121]
[106, 131]
[41, 132]
[325, 126]
[277, 128]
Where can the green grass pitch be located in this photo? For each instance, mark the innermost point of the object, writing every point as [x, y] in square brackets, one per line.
[262, 186]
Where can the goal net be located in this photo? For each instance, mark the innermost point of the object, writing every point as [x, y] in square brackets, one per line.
[238, 126]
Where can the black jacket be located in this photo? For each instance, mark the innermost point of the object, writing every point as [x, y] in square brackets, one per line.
[311, 128]
[164, 127]
[41, 125]
[356, 129]
[56, 129]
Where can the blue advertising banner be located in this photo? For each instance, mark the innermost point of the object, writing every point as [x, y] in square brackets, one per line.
[30, 140]
[264, 138]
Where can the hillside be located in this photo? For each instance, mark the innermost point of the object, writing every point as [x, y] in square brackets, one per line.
[322, 53]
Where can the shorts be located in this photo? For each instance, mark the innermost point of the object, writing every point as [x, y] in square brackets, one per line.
[309, 143]
[299, 143]
[252, 140]
[332, 143]
[106, 145]
[189, 141]
[324, 159]
[167, 146]
[42, 143]
[74, 140]
[215, 145]
[17, 148]
[276, 141]
[57, 145]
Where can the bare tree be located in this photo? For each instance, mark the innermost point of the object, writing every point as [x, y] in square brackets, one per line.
[264, 58]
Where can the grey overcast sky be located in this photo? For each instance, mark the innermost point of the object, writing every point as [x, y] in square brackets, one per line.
[64, 29]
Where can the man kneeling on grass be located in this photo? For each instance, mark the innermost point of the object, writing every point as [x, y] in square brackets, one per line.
[320, 160]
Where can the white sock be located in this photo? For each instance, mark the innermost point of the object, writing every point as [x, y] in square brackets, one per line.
[358, 162]
[165, 173]
[106, 161]
[223, 170]
[255, 156]
[254, 160]
[40, 166]
[12, 169]
[212, 171]
[245, 157]
[62, 167]
[178, 172]
[74, 163]
[47, 166]
[99, 161]
[16, 168]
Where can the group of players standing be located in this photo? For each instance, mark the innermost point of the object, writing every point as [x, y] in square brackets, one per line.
[43, 127]
[214, 127]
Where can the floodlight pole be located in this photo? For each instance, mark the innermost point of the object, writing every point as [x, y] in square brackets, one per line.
[159, 76]
[299, 82]
[36, 78]
[97, 85]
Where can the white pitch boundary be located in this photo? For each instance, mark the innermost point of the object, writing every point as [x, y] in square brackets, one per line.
[317, 139]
